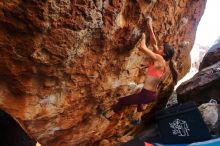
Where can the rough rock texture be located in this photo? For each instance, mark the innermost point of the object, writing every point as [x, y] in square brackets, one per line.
[211, 57]
[62, 61]
[204, 85]
[211, 116]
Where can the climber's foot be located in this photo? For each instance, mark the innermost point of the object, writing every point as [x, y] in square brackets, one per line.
[136, 118]
[108, 114]
[135, 122]
[125, 139]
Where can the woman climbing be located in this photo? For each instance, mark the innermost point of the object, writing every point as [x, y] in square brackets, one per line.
[161, 58]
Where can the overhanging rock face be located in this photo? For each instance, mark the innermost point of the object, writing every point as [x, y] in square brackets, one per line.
[61, 61]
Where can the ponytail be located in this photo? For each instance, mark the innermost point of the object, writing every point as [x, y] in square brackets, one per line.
[173, 71]
[168, 55]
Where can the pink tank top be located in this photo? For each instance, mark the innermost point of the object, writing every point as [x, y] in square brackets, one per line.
[153, 72]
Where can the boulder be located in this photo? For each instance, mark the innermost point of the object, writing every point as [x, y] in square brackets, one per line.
[211, 116]
[62, 61]
[211, 57]
[202, 87]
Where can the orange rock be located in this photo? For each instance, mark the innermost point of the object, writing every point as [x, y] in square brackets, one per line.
[59, 59]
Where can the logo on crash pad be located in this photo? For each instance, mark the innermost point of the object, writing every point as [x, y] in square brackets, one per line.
[180, 128]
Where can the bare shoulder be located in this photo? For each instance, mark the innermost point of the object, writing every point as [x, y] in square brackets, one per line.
[161, 63]
[159, 58]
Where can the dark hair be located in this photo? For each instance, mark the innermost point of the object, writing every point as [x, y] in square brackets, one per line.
[168, 52]
[173, 71]
[168, 55]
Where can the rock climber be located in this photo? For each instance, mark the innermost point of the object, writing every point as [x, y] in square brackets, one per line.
[161, 58]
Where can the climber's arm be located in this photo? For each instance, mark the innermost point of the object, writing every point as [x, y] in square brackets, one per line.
[143, 48]
[153, 40]
[148, 52]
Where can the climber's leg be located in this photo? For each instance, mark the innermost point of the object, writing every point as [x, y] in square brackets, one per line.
[125, 101]
[144, 97]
